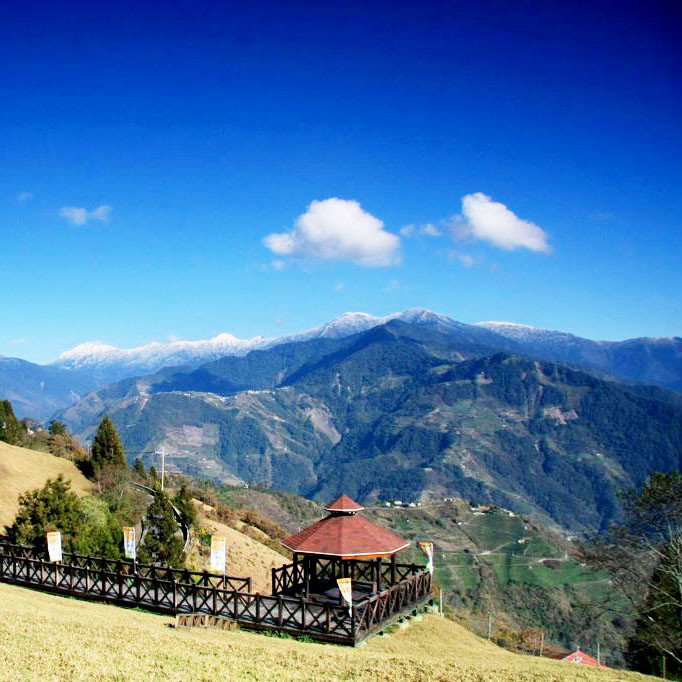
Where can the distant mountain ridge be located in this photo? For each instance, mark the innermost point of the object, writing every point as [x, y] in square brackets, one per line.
[648, 360]
[112, 363]
[40, 390]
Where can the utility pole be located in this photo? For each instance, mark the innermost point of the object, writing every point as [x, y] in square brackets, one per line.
[490, 625]
[598, 653]
[542, 641]
[162, 452]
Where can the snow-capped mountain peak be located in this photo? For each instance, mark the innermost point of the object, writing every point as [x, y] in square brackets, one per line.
[112, 363]
[496, 324]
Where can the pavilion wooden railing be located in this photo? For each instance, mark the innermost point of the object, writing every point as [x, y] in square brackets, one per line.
[372, 612]
[159, 589]
[290, 578]
[127, 567]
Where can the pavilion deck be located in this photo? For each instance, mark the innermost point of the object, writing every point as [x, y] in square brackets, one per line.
[308, 607]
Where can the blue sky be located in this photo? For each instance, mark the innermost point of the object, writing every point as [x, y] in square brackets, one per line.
[506, 161]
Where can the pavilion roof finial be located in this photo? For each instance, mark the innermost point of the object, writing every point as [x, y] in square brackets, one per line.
[344, 504]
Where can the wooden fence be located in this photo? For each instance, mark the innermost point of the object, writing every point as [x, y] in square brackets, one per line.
[167, 590]
[290, 578]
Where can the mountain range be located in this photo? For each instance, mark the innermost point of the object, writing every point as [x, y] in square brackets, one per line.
[402, 411]
[39, 390]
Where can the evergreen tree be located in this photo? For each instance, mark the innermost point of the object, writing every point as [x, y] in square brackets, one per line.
[183, 503]
[57, 428]
[107, 451]
[138, 468]
[11, 430]
[53, 507]
[86, 524]
[162, 544]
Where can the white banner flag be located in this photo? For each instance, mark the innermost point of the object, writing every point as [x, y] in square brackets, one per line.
[427, 548]
[218, 553]
[346, 589]
[129, 542]
[54, 545]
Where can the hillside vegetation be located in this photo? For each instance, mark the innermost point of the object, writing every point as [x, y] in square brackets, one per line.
[48, 637]
[22, 470]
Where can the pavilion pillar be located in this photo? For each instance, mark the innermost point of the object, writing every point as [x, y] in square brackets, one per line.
[392, 570]
[307, 562]
[378, 570]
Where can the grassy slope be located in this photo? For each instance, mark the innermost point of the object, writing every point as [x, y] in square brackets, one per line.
[247, 557]
[47, 637]
[22, 470]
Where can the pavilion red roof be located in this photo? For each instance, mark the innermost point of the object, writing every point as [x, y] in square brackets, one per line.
[347, 535]
[344, 504]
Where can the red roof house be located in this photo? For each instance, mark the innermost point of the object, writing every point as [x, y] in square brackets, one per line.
[581, 658]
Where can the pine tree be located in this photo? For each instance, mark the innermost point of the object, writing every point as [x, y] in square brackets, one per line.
[57, 428]
[107, 451]
[11, 430]
[86, 525]
[138, 468]
[161, 543]
[183, 503]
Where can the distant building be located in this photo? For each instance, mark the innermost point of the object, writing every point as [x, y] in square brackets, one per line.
[581, 658]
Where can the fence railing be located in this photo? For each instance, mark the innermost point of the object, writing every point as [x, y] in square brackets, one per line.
[126, 566]
[290, 578]
[372, 612]
[160, 590]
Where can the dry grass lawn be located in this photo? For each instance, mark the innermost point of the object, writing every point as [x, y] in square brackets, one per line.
[44, 637]
[22, 470]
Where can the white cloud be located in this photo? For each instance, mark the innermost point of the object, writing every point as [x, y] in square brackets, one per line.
[338, 287]
[20, 341]
[24, 196]
[430, 230]
[338, 229]
[278, 264]
[491, 221]
[80, 216]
